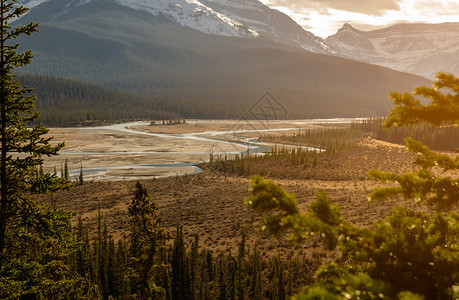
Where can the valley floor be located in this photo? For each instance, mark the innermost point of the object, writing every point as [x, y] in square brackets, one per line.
[140, 151]
[211, 203]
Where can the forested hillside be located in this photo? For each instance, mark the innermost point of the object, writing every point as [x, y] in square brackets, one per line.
[64, 102]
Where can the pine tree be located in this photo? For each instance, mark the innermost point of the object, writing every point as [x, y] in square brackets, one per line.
[279, 279]
[147, 239]
[231, 277]
[408, 255]
[194, 264]
[119, 270]
[180, 268]
[80, 178]
[66, 169]
[16, 110]
[34, 237]
[255, 273]
[83, 255]
[241, 271]
[222, 282]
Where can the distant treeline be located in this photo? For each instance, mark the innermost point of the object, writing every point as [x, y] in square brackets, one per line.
[65, 102]
[437, 138]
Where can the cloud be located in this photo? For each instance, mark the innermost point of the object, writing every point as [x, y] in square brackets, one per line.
[368, 7]
[325, 17]
[443, 7]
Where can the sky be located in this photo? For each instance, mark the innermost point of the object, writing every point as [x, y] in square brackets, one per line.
[325, 17]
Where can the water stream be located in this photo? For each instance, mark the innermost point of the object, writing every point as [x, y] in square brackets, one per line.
[216, 138]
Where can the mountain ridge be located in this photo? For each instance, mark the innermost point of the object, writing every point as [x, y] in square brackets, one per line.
[417, 48]
[205, 16]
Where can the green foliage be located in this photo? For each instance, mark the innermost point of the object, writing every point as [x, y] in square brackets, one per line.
[147, 242]
[424, 186]
[408, 255]
[439, 138]
[443, 107]
[283, 217]
[35, 239]
[418, 254]
[38, 257]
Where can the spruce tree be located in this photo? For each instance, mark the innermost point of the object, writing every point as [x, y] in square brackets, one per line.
[194, 266]
[82, 253]
[80, 178]
[66, 169]
[255, 273]
[180, 268]
[16, 110]
[241, 270]
[34, 237]
[147, 239]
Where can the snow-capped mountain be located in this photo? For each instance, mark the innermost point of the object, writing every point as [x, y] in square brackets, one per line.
[193, 14]
[422, 49]
[268, 22]
[234, 18]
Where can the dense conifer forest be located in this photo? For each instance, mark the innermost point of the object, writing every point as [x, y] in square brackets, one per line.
[64, 102]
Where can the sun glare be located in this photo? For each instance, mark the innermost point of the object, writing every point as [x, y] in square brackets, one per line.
[328, 20]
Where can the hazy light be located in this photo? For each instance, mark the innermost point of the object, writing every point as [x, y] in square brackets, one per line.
[324, 21]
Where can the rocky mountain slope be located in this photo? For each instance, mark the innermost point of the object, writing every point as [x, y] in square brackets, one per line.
[422, 49]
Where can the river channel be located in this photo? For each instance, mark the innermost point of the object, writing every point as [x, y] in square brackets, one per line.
[136, 150]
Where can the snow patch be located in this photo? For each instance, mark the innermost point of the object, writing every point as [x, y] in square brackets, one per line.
[193, 14]
[30, 3]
